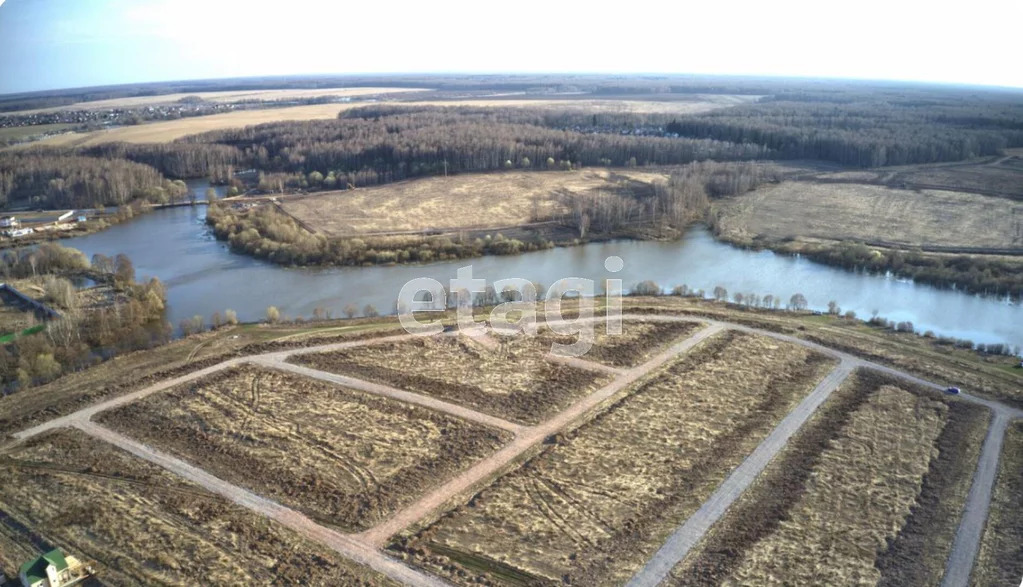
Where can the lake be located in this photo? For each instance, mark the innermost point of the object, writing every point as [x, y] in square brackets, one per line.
[203, 276]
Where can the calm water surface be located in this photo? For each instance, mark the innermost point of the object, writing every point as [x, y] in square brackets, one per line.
[203, 276]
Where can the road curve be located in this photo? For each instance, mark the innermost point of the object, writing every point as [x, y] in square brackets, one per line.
[692, 531]
[960, 560]
[340, 543]
[529, 438]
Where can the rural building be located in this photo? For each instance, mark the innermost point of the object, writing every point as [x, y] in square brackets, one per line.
[65, 216]
[52, 569]
[9, 222]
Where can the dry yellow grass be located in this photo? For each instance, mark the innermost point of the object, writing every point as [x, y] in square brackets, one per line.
[512, 381]
[470, 201]
[169, 130]
[228, 96]
[869, 212]
[598, 502]
[858, 497]
[144, 526]
[343, 457]
[1000, 561]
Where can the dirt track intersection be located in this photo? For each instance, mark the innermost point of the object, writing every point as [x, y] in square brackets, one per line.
[414, 463]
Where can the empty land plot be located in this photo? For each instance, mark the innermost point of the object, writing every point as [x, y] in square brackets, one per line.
[873, 213]
[513, 381]
[145, 526]
[870, 491]
[637, 343]
[599, 500]
[1000, 561]
[169, 130]
[342, 457]
[478, 200]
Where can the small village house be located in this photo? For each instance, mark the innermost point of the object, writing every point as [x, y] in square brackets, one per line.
[9, 222]
[51, 569]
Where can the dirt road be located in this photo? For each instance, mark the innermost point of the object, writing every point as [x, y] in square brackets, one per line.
[529, 438]
[693, 530]
[364, 547]
[342, 544]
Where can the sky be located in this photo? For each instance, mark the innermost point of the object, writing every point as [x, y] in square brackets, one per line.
[47, 44]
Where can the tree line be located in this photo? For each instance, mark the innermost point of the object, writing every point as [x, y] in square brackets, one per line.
[60, 180]
[437, 141]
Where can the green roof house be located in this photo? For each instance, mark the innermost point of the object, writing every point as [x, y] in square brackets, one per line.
[48, 570]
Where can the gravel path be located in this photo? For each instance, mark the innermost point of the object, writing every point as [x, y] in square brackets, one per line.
[363, 547]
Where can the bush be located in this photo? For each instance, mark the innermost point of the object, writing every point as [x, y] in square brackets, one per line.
[646, 288]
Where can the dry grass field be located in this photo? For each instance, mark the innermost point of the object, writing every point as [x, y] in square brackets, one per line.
[998, 175]
[21, 132]
[638, 342]
[840, 211]
[169, 130]
[599, 500]
[868, 492]
[1000, 561]
[513, 380]
[144, 526]
[342, 457]
[988, 376]
[468, 201]
[223, 97]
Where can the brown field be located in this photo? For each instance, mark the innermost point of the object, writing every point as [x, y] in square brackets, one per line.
[223, 97]
[1000, 561]
[638, 342]
[169, 130]
[988, 376]
[870, 491]
[513, 381]
[166, 131]
[840, 211]
[342, 457]
[141, 525]
[512, 198]
[599, 500]
[993, 176]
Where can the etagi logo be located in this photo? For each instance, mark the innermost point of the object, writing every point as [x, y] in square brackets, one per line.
[517, 315]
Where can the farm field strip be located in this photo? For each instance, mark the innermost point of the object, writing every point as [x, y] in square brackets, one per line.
[364, 546]
[584, 364]
[692, 531]
[394, 393]
[298, 522]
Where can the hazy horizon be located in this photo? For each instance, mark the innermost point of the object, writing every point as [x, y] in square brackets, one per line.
[50, 44]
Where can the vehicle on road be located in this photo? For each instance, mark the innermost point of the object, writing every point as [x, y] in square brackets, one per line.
[953, 390]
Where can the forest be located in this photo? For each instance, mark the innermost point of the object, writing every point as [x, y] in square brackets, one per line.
[52, 179]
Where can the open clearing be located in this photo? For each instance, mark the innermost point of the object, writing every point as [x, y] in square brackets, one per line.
[514, 380]
[599, 500]
[1000, 561]
[994, 176]
[869, 492]
[143, 525]
[222, 97]
[872, 213]
[504, 199]
[637, 343]
[342, 457]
